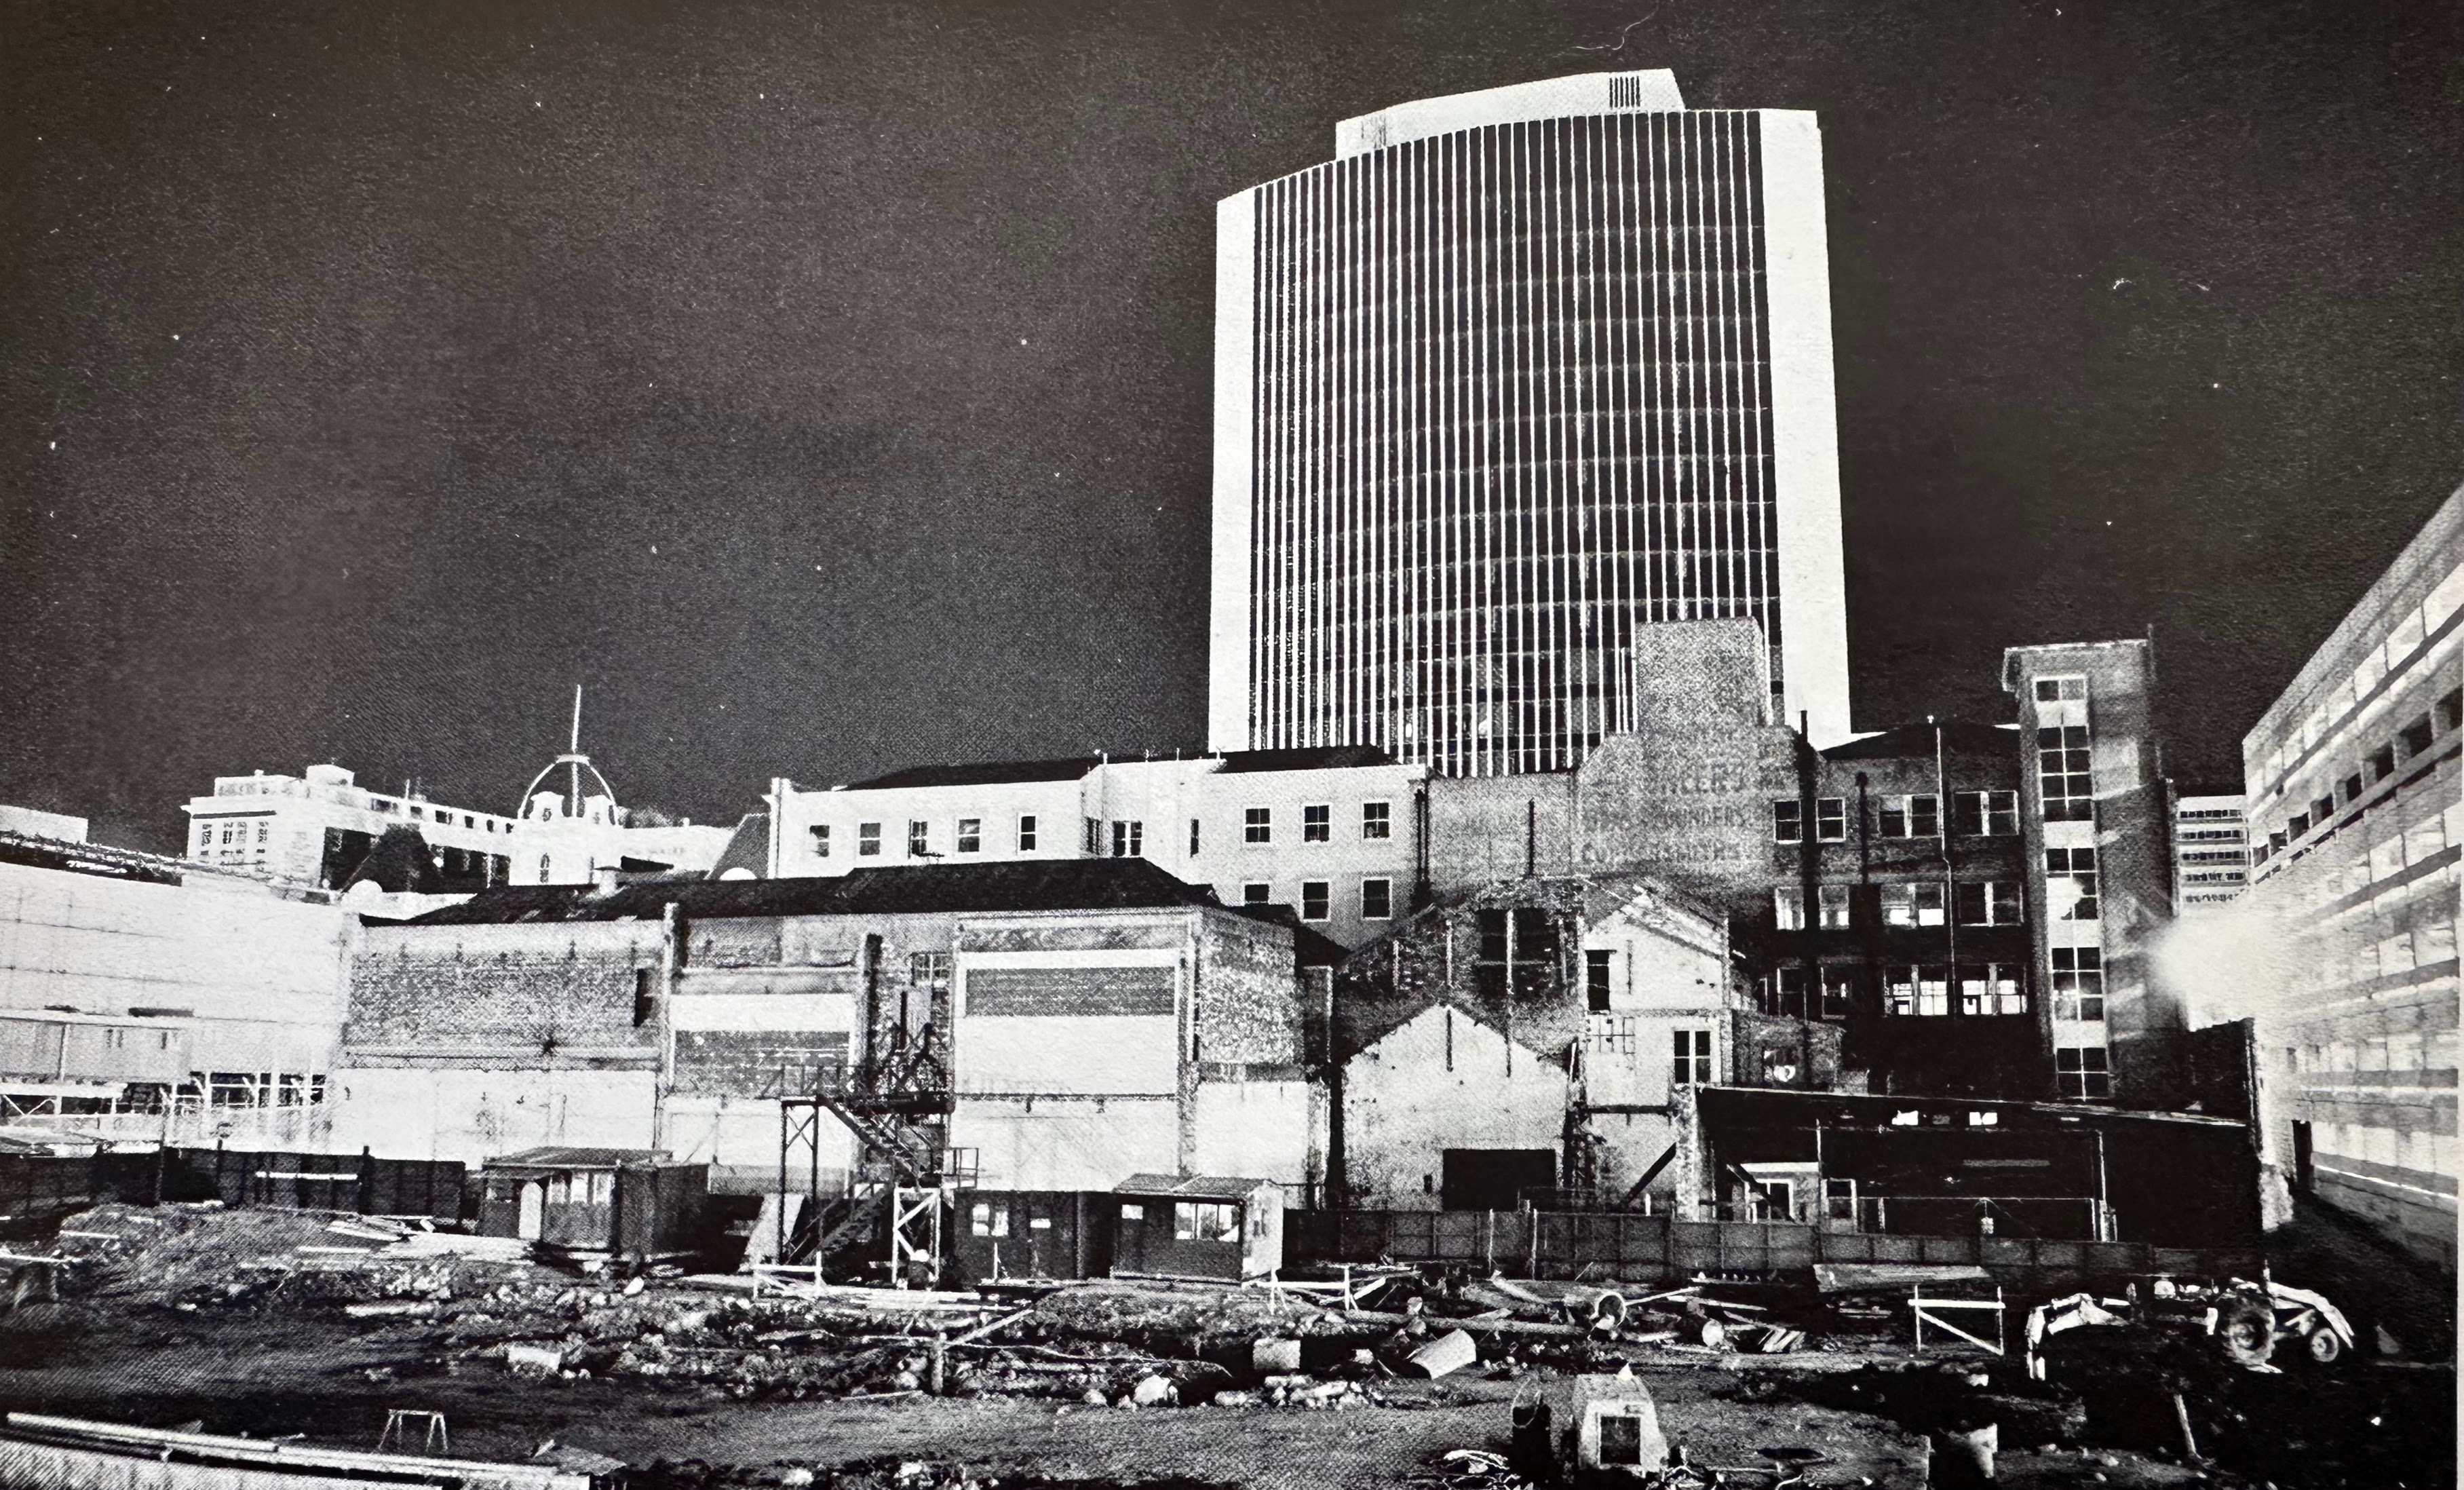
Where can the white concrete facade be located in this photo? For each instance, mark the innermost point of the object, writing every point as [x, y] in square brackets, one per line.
[276, 825]
[1337, 844]
[1434, 537]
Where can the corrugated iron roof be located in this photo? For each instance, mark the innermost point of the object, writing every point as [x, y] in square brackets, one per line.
[1014, 885]
[982, 773]
[1195, 1187]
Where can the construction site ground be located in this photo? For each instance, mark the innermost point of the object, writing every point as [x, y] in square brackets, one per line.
[268, 1324]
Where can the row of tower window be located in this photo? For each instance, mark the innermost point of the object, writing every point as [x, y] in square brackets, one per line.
[1916, 903]
[1118, 839]
[1916, 815]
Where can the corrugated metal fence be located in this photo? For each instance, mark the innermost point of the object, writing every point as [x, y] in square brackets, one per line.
[1650, 1249]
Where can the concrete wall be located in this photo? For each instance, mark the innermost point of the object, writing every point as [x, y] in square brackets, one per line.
[262, 975]
[2343, 949]
[471, 1114]
[1441, 1080]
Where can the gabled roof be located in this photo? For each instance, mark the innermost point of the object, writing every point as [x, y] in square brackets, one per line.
[748, 847]
[982, 773]
[1959, 737]
[1313, 757]
[1013, 885]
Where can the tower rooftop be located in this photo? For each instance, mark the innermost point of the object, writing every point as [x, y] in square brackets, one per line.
[1652, 91]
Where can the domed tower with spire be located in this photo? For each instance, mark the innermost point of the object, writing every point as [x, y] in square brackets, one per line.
[586, 796]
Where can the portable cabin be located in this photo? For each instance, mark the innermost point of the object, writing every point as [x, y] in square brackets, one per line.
[1198, 1226]
[632, 1202]
[1027, 1235]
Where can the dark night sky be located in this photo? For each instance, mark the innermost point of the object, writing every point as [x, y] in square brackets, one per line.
[826, 385]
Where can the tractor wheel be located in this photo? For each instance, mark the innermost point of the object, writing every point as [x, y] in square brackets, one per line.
[2244, 1331]
[2325, 1347]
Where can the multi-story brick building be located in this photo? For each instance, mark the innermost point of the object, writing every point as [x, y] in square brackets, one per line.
[1897, 907]
[1094, 1018]
[2343, 951]
[2093, 813]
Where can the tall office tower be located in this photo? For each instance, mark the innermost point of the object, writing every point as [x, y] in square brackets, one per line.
[1516, 373]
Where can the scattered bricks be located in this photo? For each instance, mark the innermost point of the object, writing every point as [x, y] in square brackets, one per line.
[1275, 1355]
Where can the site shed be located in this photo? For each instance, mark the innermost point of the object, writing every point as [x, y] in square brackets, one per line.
[634, 1202]
[1032, 1234]
[1197, 1226]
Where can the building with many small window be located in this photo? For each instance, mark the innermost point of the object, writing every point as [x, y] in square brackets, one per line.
[2211, 850]
[2094, 816]
[1897, 904]
[2343, 954]
[1334, 834]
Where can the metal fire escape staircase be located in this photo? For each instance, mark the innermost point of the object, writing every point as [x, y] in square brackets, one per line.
[898, 1110]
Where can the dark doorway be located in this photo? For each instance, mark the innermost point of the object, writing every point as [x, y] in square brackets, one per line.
[1494, 1179]
[2305, 1176]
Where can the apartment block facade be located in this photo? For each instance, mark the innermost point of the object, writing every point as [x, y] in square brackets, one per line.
[2343, 951]
[2211, 850]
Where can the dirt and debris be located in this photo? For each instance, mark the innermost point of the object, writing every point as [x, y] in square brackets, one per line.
[264, 1320]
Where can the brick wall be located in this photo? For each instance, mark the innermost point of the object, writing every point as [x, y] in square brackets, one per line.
[550, 995]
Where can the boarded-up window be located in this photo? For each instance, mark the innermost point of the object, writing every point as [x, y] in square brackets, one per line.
[1070, 991]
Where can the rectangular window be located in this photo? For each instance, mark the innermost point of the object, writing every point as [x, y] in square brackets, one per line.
[1257, 825]
[1376, 820]
[1991, 988]
[868, 840]
[1377, 900]
[1205, 1220]
[918, 839]
[989, 1219]
[1933, 991]
[1094, 837]
[1257, 892]
[971, 835]
[2070, 883]
[1915, 903]
[1830, 819]
[820, 840]
[1026, 833]
[2352, 788]
[1990, 903]
[1912, 816]
[2063, 776]
[1596, 978]
[2069, 690]
[1317, 823]
[1900, 991]
[1193, 838]
[1316, 900]
[1986, 813]
[1788, 992]
[1128, 839]
[1834, 906]
[2082, 1073]
[1692, 1065]
[1839, 990]
[930, 971]
[1788, 908]
[1788, 823]
[2078, 983]
[2382, 763]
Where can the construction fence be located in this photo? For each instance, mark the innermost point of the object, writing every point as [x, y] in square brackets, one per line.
[1637, 1248]
[37, 1190]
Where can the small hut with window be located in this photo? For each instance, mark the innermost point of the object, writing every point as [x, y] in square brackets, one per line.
[1198, 1226]
[628, 1202]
